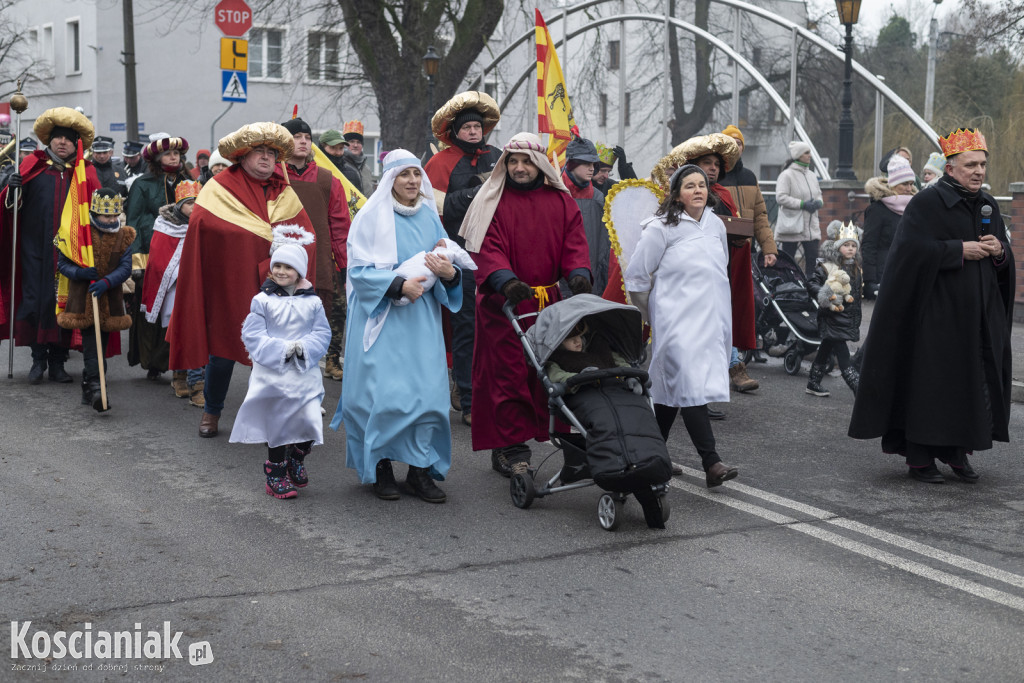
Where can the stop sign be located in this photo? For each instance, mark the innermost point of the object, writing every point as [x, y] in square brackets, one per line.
[233, 17]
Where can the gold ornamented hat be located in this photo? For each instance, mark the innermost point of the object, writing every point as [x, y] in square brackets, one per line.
[963, 140]
[64, 117]
[693, 149]
[441, 123]
[154, 149]
[186, 189]
[105, 203]
[236, 145]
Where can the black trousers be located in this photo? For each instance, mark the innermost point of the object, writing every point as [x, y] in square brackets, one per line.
[833, 346]
[698, 426]
[276, 454]
[91, 355]
[922, 455]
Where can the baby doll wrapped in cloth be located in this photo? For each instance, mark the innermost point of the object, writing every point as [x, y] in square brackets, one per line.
[416, 265]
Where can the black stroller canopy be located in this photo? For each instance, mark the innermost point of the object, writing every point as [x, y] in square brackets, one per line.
[619, 324]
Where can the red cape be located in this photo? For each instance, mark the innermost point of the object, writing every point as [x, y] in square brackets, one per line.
[225, 259]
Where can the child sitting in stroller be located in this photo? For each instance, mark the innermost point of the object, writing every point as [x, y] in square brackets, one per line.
[624, 451]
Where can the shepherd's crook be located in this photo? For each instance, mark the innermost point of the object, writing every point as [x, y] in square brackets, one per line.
[99, 350]
[18, 104]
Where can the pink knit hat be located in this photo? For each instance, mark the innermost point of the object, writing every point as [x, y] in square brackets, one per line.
[899, 171]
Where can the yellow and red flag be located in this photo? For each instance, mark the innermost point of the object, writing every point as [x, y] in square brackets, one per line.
[74, 237]
[554, 113]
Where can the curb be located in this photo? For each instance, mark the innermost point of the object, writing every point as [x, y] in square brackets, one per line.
[1017, 391]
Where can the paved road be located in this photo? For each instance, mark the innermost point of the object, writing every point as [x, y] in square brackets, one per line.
[822, 562]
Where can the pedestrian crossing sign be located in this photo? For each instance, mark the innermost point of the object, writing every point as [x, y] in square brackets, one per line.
[233, 85]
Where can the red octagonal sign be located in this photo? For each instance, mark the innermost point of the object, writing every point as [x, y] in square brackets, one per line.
[233, 17]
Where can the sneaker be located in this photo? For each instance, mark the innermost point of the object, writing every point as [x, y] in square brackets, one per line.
[278, 483]
[296, 469]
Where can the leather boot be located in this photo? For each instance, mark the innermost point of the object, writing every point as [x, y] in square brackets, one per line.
[196, 396]
[35, 375]
[719, 473]
[814, 381]
[422, 484]
[385, 488]
[97, 397]
[208, 425]
[58, 373]
[740, 380]
[332, 370]
[852, 378]
[86, 393]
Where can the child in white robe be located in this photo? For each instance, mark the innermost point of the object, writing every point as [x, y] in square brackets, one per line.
[286, 334]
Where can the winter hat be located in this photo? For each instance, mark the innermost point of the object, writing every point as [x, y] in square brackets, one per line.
[466, 116]
[287, 247]
[297, 125]
[331, 137]
[797, 149]
[203, 153]
[899, 171]
[734, 132]
[582, 150]
[291, 255]
[936, 164]
[216, 158]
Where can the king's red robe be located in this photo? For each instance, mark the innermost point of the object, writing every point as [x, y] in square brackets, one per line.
[225, 259]
[538, 236]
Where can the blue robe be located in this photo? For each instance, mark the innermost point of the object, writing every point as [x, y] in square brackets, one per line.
[395, 394]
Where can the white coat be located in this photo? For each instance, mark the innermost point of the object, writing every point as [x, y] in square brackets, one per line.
[685, 269]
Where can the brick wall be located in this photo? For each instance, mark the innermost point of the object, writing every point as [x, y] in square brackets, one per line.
[1016, 224]
[838, 206]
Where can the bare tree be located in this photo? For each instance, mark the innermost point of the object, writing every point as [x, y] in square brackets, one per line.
[17, 61]
[390, 37]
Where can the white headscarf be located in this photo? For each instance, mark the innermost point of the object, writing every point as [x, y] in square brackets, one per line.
[371, 239]
[481, 210]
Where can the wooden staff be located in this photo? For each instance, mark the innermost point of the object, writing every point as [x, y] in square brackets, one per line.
[99, 350]
[19, 104]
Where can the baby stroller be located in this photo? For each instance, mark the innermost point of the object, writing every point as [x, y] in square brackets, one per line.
[785, 313]
[621, 463]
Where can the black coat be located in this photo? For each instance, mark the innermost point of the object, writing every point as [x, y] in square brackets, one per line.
[463, 184]
[880, 223]
[937, 359]
[112, 176]
[841, 325]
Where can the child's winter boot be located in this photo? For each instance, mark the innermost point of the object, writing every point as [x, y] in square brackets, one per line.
[296, 455]
[852, 378]
[814, 381]
[278, 483]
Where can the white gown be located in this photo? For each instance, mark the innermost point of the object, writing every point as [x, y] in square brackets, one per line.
[282, 405]
[685, 268]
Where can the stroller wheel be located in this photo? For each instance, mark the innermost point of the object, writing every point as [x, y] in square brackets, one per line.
[522, 490]
[792, 362]
[665, 507]
[609, 511]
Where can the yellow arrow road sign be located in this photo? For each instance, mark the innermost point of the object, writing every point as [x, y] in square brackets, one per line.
[234, 54]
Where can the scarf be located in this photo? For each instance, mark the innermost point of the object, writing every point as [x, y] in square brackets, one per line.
[725, 197]
[960, 189]
[61, 164]
[897, 203]
[577, 189]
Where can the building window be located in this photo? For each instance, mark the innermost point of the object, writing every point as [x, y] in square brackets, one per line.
[626, 122]
[322, 56]
[604, 110]
[72, 47]
[45, 53]
[266, 53]
[613, 54]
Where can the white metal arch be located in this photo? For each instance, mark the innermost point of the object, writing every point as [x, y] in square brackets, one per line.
[875, 83]
[721, 45]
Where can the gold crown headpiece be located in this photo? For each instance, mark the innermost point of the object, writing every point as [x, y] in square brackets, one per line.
[963, 140]
[848, 231]
[186, 189]
[105, 205]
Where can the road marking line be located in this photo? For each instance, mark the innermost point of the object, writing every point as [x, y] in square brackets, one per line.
[886, 537]
[883, 556]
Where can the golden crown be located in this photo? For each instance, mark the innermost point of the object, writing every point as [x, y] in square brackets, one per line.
[104, 205]
[186, 189]
[848, 231]
[963, 140]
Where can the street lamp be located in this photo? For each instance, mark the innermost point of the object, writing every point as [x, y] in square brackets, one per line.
[848, 12]
[431, 63]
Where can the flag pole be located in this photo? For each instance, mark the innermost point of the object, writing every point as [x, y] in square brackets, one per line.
[18, 104]
[101, 356]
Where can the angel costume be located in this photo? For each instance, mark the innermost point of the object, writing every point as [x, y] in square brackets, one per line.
[395, 390]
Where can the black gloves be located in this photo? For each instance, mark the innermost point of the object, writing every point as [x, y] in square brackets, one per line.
[14, 180]
[620, 154]
[578, 284]
[516, 291]
[625, 168]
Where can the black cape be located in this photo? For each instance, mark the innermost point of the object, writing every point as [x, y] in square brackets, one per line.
[937, 360]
